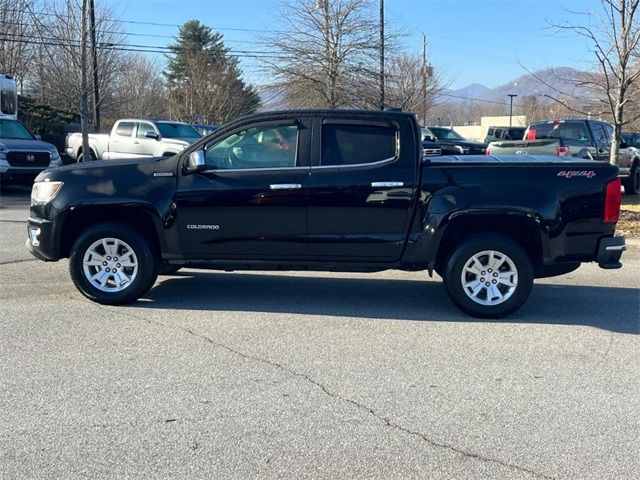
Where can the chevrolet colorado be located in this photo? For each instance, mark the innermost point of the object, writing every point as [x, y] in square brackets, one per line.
[332, 191]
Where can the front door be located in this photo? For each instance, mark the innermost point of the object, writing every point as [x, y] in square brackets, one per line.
[362, 188]
[143, 145]
[252, 201]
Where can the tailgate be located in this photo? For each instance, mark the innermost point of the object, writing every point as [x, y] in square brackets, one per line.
[524, 147]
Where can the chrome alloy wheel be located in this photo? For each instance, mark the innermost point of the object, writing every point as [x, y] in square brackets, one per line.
[489, 278]
[110, 265]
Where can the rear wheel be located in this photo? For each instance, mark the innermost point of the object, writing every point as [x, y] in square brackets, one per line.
[85, 158]
[112, 264]
[489, 276]
[632, 183]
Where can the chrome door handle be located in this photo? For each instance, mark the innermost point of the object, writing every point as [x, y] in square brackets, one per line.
[387, 184]
[285, 186]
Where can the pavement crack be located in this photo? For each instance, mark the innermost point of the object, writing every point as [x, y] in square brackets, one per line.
[360, 406]
[9, 262]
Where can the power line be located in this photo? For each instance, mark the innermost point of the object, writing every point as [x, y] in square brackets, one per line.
[54, 42]
[157, 24]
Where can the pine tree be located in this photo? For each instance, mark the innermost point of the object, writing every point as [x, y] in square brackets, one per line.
[205, 81]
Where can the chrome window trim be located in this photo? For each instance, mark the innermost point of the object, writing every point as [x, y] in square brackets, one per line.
[263, 169]
[358, 165]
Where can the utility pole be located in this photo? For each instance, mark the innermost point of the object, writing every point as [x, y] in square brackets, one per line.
[84, 108]
[424, 79]
[427, 72]
[94, 57]
[381, 54]
[511, 96]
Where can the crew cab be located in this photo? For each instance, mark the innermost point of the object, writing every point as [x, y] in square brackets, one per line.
[328, 190]
[589, 139]
[131, 138]
[23, 155]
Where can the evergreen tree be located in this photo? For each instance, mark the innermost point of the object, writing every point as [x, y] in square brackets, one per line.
[205, 81]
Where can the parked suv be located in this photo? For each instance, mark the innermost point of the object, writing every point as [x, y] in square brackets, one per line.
[452, 143]
[23, 155]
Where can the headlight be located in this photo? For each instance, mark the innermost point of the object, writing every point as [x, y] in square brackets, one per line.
[43, 192]
[55, 161]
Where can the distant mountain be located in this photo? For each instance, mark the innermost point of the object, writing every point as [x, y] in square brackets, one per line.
[556, 82]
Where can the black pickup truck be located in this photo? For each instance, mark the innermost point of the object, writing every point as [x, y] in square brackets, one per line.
[332, 191]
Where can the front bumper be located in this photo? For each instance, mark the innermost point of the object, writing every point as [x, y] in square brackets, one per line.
[41, 240]
[609, 252]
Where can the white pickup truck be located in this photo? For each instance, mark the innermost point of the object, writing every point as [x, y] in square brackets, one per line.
[132, 138]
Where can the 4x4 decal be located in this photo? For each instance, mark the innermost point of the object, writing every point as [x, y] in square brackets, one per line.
[577, 173]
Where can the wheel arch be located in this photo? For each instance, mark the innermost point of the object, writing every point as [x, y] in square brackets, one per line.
[520, 228]
[140, 219]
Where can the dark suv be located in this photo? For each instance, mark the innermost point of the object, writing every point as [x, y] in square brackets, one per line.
[452, 143]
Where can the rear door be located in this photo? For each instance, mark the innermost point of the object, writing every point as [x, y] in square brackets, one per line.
[252, 202]
[362, 185]
[121, 141]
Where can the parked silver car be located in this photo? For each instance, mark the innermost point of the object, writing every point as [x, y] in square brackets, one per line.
[22, 155]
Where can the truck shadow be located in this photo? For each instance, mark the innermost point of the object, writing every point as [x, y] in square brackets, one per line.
[614, 309]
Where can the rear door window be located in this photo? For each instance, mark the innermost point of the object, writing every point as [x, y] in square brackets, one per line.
[600, 134]
[350, 144]
[125, 129]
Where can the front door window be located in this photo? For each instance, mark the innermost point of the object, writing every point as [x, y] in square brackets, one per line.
[266, 146]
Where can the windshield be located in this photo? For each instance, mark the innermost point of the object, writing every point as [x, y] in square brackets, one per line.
[446, 133]
[14, 129]
[425, 132]
[177, 130]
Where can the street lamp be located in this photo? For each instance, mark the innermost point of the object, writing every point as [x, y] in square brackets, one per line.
[511, 96]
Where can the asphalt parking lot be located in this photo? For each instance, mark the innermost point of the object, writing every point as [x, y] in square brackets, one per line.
[313, 375]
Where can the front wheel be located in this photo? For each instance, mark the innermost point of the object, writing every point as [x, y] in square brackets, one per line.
[112, 264]
[489, 276]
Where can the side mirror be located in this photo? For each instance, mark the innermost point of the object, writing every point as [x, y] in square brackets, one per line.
[196, 162]
[624, 145]
[429, 138]
[153, 135]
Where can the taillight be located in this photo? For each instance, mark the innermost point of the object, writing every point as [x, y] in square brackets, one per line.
[612, 199]
[562, 151]
[487, 151]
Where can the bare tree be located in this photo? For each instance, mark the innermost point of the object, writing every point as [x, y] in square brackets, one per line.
[214, 91]
[56, 73]
[140, 88]
[615, 37]
[16, 52]
[327, 53]
[404, 88]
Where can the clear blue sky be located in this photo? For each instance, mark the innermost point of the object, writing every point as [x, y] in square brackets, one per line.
[471, 41]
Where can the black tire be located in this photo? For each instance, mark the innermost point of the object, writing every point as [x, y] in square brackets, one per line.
[632, 183]
[516, 295]
[146, 265]
[168, 269]
[81, 157]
